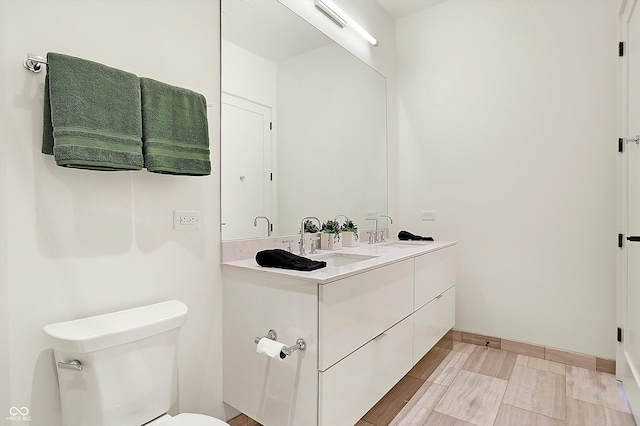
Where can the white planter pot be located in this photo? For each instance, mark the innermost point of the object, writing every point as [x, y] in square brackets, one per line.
[330, 241]
[350, 239]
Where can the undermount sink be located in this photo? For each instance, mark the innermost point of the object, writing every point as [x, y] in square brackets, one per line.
[342, 259]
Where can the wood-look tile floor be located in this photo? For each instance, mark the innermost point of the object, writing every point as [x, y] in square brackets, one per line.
[461, 384]
[470, 385]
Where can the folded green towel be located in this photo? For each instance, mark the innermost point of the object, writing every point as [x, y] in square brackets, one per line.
[175, 132]
[92, 115]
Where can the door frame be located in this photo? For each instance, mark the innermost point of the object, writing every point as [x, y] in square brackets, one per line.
[625, 371]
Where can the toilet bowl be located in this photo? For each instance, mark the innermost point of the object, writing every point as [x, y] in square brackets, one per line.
[120, 368]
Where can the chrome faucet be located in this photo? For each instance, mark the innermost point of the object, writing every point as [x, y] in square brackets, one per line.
[289, 248]
[255, 223]
[301, 243]
[381, 239]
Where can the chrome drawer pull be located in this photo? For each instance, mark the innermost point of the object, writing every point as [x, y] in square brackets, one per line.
[380, 336]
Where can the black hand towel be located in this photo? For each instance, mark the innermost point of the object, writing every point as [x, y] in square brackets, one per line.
[408, 236]
[278, 258]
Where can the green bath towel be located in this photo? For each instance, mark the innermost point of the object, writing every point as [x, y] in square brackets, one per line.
[92, 115]
[175, 132]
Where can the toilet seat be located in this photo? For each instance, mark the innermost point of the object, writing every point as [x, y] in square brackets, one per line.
[187, 419]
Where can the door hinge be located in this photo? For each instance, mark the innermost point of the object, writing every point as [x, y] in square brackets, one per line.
[621, 48]
[271, 176]
[271, 125]
[620, 145]
[620, 240]
[619, 334]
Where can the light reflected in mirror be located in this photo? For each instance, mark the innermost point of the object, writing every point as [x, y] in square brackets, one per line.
[303, 125]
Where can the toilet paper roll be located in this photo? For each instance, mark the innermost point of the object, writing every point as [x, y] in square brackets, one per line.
[270, 348]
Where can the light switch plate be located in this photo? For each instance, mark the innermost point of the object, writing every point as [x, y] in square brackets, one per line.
[428, 215]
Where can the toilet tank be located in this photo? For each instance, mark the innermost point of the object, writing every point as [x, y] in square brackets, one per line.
[128, 359]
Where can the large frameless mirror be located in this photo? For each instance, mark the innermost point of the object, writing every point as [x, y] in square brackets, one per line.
[303, 125]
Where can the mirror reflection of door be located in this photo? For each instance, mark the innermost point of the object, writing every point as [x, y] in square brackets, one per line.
[246, 168]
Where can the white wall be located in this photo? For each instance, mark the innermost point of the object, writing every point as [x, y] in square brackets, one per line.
[373, 18]
[248, 75]
[507, 130]
[331, 138]
[75, 243]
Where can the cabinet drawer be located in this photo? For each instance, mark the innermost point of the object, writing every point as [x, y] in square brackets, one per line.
[435, 273]
[354, 310]
[432, 322]
[351, 387]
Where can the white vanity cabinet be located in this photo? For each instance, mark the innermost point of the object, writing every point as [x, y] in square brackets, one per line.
[435, 299]
[364, 331]
[435, 273]
[432, 321]
[354, 310]
[272, 391]
[352, 386]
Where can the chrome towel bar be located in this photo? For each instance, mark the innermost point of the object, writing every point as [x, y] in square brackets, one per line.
[34, 62]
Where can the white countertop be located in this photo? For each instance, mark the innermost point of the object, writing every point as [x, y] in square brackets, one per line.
[380, 255]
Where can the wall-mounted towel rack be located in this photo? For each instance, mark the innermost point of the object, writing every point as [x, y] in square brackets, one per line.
[34, 62]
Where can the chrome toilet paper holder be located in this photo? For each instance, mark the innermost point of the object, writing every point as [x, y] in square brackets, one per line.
[286, 351]
[272, 334]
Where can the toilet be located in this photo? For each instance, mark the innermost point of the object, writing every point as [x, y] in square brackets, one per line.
[120, 368]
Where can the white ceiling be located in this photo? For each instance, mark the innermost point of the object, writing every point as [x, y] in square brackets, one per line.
[400, 8]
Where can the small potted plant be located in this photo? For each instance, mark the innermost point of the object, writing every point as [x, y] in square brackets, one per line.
[330, 238]
[350, 234]
[310, 227]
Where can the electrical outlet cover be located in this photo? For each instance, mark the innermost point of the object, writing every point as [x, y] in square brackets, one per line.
[185, 220]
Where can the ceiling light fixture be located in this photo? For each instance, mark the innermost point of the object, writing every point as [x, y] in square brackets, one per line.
[342, 20]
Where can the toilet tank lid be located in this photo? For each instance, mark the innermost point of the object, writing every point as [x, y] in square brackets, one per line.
[116, 328]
